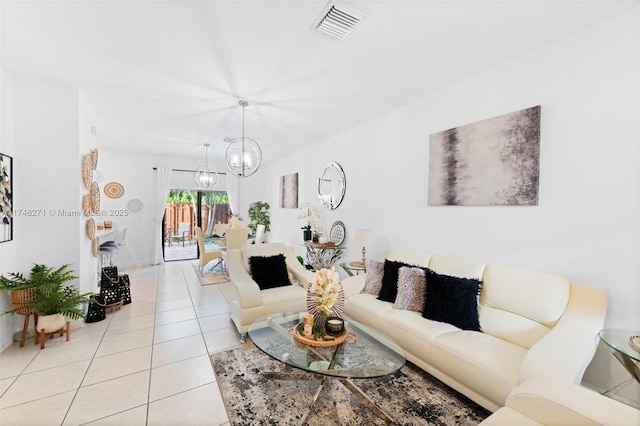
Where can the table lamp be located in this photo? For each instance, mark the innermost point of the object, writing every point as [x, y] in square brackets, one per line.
[363, 238]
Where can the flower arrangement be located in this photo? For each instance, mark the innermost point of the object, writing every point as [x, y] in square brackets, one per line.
[309, 212]
[324, 291]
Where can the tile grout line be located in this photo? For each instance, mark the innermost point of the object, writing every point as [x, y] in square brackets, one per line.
[159, 270]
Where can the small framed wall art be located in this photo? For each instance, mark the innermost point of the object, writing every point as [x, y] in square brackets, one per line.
[6, 197]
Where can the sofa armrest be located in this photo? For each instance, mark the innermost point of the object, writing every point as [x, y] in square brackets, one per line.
[298, 271]
[248, 291]
[552, 402]
[353, 285]
[566, 350]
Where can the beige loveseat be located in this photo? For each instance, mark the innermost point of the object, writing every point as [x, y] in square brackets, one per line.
[253, 303]
[534, 325]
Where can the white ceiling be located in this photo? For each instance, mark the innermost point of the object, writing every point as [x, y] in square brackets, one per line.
[166, 76]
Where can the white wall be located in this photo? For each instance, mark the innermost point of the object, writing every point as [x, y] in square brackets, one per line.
[7, 249]
[87, 264]
[586, 226]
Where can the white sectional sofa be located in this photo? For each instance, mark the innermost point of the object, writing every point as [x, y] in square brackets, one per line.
[534, 325]
[548, 402]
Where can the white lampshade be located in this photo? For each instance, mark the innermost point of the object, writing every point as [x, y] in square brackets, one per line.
[363, 237]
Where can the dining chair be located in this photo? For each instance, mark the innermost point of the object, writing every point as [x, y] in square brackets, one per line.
[259, 234]
[235, 238]
[109, 248]
[206, 256]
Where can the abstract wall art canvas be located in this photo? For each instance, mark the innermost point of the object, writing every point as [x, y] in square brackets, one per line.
[289, 191]
[493, 162]
[6, 198]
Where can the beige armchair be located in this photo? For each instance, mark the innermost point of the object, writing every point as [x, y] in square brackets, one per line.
[253, 303]
[206, 256]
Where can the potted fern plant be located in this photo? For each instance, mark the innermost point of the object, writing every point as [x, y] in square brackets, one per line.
[51, 298]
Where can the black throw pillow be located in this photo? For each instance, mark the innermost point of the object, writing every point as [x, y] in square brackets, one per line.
[453, 300]
[389, 289]
[269, 271]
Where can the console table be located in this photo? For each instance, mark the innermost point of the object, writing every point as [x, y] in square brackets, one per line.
[321, 256]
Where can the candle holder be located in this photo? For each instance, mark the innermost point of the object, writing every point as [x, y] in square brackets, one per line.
[334, 326]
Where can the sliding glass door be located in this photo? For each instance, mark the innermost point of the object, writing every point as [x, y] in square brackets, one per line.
[184, 210]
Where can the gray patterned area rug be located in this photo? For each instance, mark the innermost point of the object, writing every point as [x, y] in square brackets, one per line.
[410, 397]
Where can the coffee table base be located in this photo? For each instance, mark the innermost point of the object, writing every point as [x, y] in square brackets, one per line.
[294, 375]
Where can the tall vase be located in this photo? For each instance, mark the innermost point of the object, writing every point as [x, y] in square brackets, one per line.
[306, 235]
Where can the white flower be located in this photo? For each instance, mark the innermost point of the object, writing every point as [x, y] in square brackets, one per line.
[325, 288]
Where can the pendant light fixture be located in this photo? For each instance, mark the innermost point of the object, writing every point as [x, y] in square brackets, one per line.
[204, 176]
[243, 154]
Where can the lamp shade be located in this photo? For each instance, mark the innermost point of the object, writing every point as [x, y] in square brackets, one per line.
[363, 237]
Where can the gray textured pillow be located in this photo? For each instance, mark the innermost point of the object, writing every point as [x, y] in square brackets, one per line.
[373, 277]
[411, 289]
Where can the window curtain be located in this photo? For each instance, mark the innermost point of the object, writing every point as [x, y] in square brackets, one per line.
[162, 186]
[232, 193]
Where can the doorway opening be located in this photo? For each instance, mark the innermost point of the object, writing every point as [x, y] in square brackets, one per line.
[184, 210]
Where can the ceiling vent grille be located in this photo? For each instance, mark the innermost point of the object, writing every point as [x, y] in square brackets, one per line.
[338, 21]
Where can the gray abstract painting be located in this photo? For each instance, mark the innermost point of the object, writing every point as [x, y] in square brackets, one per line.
[289, 191]
[488, 163]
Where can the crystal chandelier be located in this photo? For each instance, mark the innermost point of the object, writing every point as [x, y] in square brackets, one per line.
[243, 154]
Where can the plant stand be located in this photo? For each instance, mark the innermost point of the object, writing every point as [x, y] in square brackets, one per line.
[43, 335]
[21, 298]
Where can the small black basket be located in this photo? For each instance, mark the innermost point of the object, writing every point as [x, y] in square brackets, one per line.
[125, 289]
[96, 310]
[109, 276]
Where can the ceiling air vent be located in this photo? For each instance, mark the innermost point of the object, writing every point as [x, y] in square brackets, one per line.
[338, 20]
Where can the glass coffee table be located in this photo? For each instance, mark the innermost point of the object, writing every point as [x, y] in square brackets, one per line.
[369, 354]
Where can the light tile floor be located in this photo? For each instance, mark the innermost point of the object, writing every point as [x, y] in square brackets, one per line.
[147, 364]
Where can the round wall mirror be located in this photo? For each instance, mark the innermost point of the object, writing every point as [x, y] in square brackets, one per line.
[331, 185]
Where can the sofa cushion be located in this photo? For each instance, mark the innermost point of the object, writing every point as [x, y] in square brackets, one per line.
[453, 300]
[457, 267]
[266, 249]
[485, 364]
[373, 277]
[534, 295]
[511, 327]
[269, 271]
[411, 289]
[389, 288]
[365, 307]
[410, 257]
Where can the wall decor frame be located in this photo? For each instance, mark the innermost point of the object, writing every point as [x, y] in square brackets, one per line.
[493, 162]
[289, 191]
[6, 197]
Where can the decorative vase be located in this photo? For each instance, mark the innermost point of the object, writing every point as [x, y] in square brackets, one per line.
[306, 235]
[315, 239]
[50, 323]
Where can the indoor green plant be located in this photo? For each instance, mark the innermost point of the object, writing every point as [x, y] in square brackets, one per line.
[259, 215]
[51, 295]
